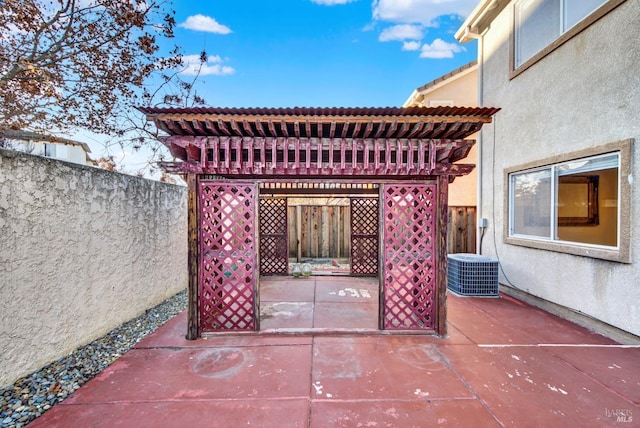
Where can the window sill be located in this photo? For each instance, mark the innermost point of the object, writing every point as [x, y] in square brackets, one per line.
[614, 255]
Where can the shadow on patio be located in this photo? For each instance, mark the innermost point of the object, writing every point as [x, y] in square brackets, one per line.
[504, 363]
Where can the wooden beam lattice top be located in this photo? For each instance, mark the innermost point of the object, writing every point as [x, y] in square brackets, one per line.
[388, 122]
[251, 142]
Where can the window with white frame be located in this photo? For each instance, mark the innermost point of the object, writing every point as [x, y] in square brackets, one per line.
[539, 22]
[50, 150]
[574, 202]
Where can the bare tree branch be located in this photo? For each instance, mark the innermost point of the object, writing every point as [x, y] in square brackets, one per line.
[69, 65]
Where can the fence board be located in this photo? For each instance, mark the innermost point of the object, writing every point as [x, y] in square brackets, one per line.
[461, 236]
[320, 231]
[317, 231]
[324, 237]
[314, 234]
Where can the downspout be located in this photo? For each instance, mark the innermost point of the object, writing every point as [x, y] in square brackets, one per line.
[481, 224]
[482, 227]
[469, 32]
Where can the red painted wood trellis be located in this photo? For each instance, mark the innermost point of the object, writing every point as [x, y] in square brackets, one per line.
[409, 249]
[227, 256]
[226, 154]
[274, 250]
[364, 236]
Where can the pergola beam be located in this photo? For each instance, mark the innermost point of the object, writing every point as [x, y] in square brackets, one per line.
[322, 142]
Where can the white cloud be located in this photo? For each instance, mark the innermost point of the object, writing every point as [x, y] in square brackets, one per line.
[440, 49]
[369, 27]
[411, 46]
[331, 2]
[213, 66]
[419, 11]
[401, 32]
[205, 23]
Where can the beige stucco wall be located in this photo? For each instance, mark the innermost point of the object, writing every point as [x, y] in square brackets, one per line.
[82, 250]
[584, 94]
[462, 90]
[463, 190]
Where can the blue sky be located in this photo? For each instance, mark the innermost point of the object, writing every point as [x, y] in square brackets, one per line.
[321, 53]
[312, 53]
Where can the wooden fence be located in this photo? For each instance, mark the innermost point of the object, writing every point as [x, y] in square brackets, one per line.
[461, 235]
[324, 231]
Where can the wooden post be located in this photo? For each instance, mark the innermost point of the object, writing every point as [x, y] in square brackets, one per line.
[381, 255]
[257, 260]
[193, 232]
[441, 250]
[298, 233]
[324, 233]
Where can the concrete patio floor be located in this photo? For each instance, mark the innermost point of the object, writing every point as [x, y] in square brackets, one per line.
[504, 363]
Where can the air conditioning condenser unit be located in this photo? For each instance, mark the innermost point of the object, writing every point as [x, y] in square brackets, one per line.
[472, 275]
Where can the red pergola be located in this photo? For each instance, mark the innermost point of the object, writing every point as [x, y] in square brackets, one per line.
[228, 154]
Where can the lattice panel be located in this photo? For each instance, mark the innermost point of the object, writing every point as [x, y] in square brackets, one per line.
[274, 243]
[227, 256]
[364, 236]
[409, 257]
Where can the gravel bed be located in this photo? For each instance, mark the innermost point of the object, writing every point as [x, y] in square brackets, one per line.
[32, 395]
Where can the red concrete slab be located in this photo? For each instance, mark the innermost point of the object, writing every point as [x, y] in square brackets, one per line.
[528, 386]
[617, 368]
[482, 328]
[489, 371]
[348, 279]
[406, 414]
[346, 315]
[387, 367]
[283, 290]
[179, 414]
[541, 326]
[458, 305]
[252, 340]
[352, 291]
[172, 335]
[275, 315]
[455, 337]
[208, 373]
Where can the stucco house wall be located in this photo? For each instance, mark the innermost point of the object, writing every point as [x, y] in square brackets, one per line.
[458, 89]
[75, 153]
[582, 95]
[82, 250]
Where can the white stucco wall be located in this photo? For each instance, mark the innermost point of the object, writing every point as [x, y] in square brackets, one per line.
[584, 94]
[67, 152]
[76, 154]
[82, 250]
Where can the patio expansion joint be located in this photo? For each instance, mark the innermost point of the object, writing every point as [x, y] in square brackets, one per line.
[466, 384]
[223, 345]
[553, 345]
[311, 384]
[592, 378]
[392, 400]
[549, 348]
[313, 318]
[461, 332]
[182, 400]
